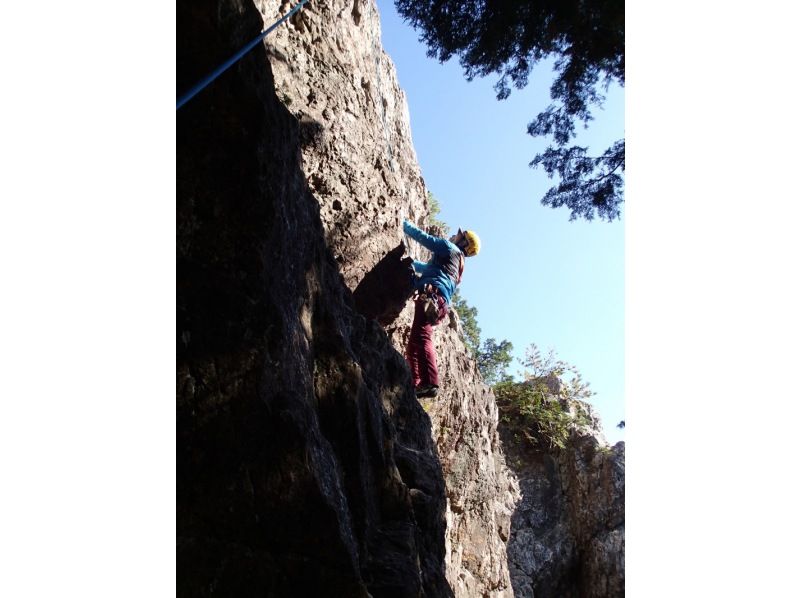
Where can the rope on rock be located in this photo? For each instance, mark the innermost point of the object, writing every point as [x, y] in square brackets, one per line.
[235, 58]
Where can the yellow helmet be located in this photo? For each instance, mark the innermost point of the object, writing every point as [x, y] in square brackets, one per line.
[473, 243]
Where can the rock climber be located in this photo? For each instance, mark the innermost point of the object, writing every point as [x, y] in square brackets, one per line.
[434, 283]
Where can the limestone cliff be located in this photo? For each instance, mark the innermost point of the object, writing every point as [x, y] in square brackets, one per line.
[305, 464]
[332, 73]
[568, 529]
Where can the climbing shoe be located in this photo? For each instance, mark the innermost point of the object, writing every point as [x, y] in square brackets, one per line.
[427, 390]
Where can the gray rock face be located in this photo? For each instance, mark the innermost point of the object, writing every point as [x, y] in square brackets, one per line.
[568, 528]
[480, 489]
[332, 73]
[305, 465]
[358, 158]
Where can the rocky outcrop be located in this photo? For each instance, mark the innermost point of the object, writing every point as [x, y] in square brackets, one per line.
[481, 491]
[305, 464]
[568, 529]
[332, 73]
[358, 158]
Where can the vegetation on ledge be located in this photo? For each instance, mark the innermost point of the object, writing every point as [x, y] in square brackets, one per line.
[542, 409]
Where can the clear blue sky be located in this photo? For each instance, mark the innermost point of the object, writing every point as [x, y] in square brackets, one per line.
[539, 278]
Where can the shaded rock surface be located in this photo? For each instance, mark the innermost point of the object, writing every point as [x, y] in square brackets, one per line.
[305, 465]
[384, 291]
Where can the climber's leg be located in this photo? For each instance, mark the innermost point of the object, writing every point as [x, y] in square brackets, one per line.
[422, 331]
[413, 362]
[414, 350]
[428, 372]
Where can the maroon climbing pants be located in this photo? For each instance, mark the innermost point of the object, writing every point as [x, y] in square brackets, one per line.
[420, 354]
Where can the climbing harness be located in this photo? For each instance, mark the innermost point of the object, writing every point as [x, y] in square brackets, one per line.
[235, 58]
[435, 306]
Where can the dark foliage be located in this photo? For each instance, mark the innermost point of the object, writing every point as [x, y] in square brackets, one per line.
[588, 185]
[508, 38]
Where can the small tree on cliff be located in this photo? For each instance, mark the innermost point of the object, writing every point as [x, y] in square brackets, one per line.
[542, 407]
[509, 37]
[494, 359]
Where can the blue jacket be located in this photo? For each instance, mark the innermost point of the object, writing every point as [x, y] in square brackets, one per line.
[442, 271]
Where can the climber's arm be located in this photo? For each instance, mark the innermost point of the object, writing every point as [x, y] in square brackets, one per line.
[435, 244]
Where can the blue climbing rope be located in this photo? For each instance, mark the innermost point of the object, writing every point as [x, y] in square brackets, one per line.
[233, 59]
